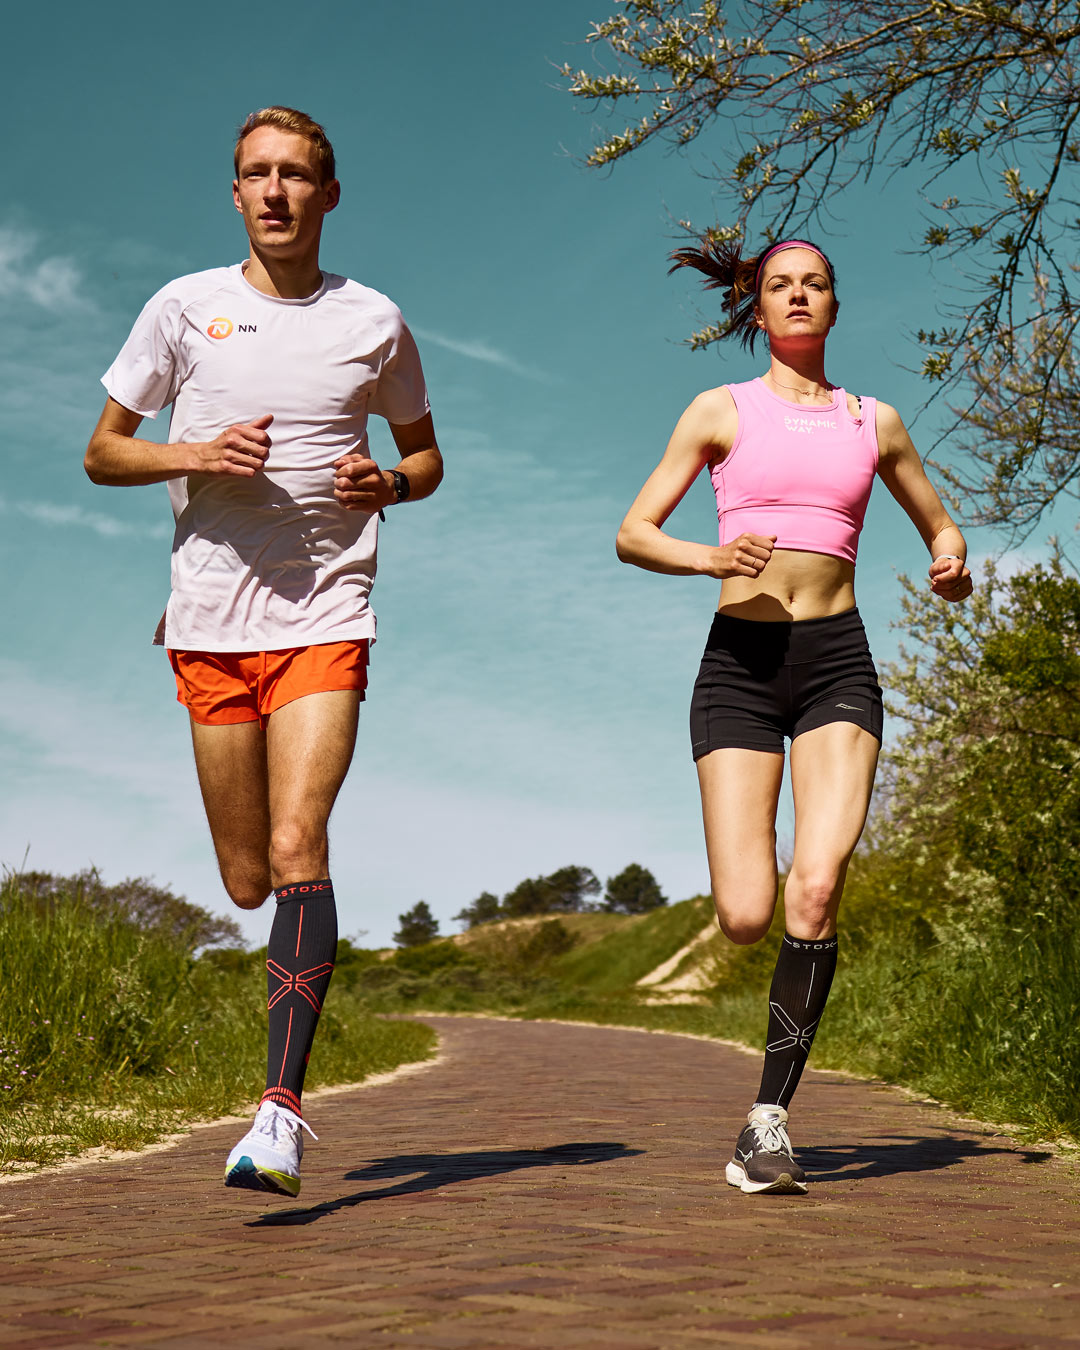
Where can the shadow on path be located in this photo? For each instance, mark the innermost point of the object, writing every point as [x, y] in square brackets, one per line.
[909, 1153]
[442, 1169]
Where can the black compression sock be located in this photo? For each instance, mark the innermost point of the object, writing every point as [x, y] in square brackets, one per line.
[299, 962]
[800, 985]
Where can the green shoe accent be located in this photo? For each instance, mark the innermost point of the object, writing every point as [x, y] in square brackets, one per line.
[245, 1176]
[280, 1182]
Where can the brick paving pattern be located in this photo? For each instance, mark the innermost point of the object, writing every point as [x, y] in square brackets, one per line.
[559, 1186]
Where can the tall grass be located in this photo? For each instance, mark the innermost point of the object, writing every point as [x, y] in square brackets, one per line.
[988, 1026]
[87, 998]
[112, 1033]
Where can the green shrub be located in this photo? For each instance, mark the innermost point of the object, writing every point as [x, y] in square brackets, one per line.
[432, 956]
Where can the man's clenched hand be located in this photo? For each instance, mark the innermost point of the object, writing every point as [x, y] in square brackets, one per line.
[360, 485]
[240, 450]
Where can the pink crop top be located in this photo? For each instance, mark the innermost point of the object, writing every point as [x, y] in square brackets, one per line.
[803, 473]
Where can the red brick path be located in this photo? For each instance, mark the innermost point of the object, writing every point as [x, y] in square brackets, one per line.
[559, 1186]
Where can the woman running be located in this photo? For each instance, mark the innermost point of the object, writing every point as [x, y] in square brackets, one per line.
[792, 458]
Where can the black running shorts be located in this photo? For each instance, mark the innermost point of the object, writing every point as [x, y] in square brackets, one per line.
[760, 682]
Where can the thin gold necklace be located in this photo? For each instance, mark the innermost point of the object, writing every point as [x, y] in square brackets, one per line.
[806, 393]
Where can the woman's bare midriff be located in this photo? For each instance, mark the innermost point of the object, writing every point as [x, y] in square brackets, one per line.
[793, 585]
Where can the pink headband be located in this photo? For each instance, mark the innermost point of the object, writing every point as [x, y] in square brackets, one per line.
[779, 248]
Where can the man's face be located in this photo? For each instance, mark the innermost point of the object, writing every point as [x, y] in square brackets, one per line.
[280, 193]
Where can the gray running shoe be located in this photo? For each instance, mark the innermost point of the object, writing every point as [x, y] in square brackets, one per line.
[763, 1160]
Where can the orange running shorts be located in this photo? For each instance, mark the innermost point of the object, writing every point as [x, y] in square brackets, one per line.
[223, 688]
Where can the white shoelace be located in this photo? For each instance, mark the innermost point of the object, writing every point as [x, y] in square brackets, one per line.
[270, 1119]
[771, 1135]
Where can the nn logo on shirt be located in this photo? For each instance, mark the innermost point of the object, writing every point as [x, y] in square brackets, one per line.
[221, 328]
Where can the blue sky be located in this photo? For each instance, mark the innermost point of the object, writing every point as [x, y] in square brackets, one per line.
[529, 695]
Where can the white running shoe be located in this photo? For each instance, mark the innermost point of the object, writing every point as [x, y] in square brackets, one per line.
[268, 1156]
[763, 1160]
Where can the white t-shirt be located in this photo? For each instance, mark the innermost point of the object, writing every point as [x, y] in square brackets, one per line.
[269, 562]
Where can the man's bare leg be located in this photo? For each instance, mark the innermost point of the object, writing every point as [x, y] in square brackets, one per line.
[268, 798]
[231, 764]
[268, 794]
[309, 747]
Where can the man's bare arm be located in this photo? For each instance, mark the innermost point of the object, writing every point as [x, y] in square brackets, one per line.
[361, 485]
[117, 458]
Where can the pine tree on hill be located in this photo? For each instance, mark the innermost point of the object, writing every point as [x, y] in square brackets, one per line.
[573, 887]
[484, 909]
[565, 891]
[416, 926]
[528, 897]
[633, 891]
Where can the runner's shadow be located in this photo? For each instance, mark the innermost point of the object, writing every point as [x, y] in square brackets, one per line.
[909, 1153]
[443, 1169]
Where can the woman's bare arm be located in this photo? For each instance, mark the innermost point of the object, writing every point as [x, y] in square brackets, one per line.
[705, 431]
[902, 472]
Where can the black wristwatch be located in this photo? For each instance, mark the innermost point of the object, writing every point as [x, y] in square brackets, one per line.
[401, 485]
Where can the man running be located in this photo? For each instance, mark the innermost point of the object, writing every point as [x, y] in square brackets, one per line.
[272, 368]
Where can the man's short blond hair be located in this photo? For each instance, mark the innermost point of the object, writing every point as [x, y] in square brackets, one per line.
[289, 119]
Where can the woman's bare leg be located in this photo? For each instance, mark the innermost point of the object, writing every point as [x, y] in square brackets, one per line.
[832, 774]
[832, 771]
[832, 777]
[739, 794]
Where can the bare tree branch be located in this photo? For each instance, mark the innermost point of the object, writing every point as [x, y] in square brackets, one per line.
[806, 96]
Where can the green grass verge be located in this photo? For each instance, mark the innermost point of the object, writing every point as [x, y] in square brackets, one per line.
[617, 959]
[112, 1034]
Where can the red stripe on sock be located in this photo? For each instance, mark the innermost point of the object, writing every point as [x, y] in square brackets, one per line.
[280, 1096]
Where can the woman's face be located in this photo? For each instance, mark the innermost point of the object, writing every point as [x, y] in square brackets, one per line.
[796, 298]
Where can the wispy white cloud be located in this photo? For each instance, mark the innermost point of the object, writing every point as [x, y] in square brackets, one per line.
[51, 283]
[109, 527]
[476, 349]
[88, 736]
[101, 779]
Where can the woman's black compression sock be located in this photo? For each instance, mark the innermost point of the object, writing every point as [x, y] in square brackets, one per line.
[299, 962]
[800, 985]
